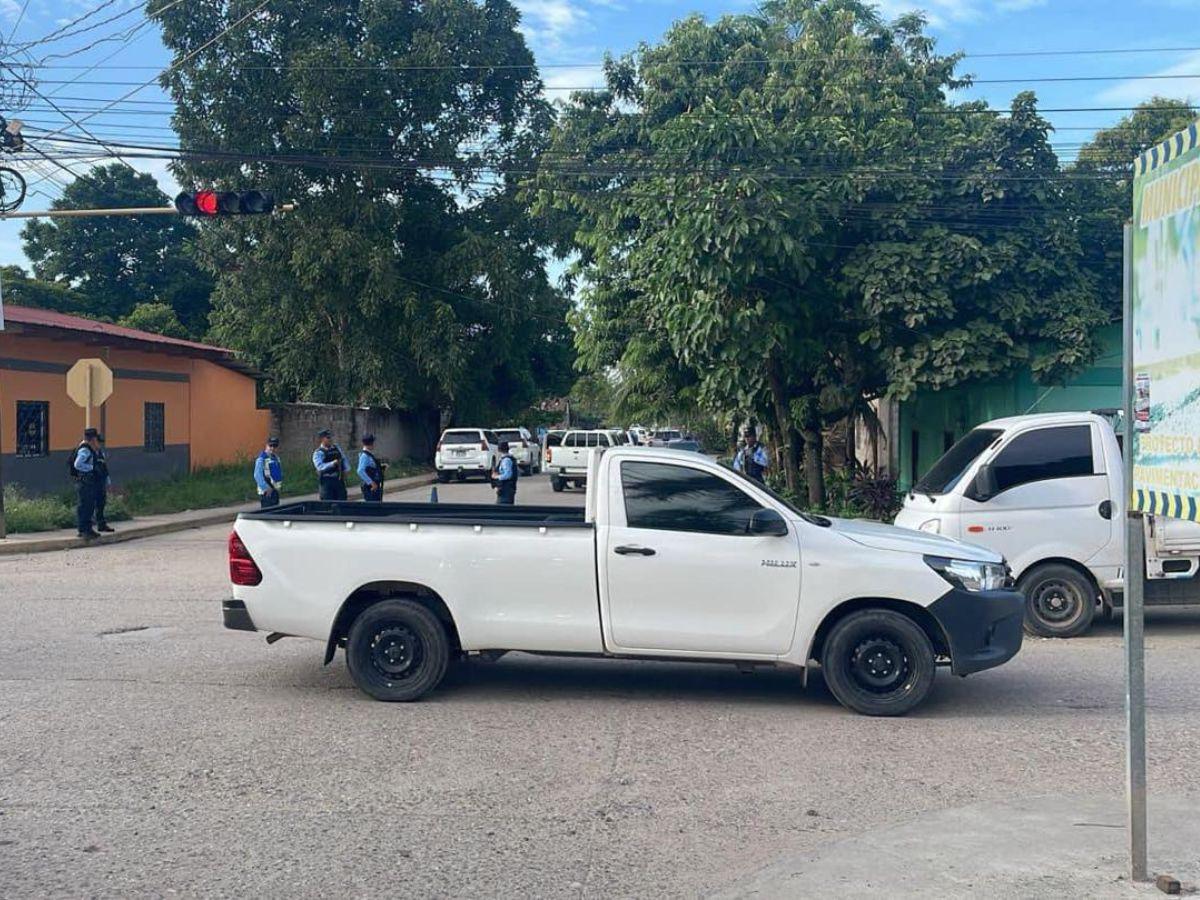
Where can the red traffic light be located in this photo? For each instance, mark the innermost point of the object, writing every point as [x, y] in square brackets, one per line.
[224, 203]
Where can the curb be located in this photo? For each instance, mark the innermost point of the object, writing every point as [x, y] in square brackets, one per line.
[195, 519]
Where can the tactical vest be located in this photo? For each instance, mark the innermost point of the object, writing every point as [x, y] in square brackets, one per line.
[329, 455]
[272, 468]
[71, 470]
[100, 465]
[750, 464]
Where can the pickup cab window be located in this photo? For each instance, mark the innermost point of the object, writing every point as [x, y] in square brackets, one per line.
[1043, 454]
[679, 498]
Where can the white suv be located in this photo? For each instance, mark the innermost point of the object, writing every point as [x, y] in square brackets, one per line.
[523, 446]
[466, 451]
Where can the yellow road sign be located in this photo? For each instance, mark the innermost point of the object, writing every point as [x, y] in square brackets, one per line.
[89, 384]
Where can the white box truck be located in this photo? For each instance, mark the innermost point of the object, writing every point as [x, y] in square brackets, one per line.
[1048, 492]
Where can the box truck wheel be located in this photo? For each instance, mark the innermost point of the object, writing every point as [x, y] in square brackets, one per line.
[1060, 601]
[557, 484]
[878, 662]
[397, 651]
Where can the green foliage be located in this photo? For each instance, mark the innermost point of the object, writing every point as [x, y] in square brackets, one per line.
[856, 494]
[790, 237]
[24, 514]
[158, 318]
[21, 290]
[410, 274]
[117, 262]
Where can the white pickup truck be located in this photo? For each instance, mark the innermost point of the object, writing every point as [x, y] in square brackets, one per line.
[1047, 491]
[673, 557]
[568, 462]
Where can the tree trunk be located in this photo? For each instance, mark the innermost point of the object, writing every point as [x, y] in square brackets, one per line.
[783, 424]
[814, 468]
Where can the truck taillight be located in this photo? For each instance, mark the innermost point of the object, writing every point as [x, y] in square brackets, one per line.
[243, 569]
[483, 446]
[439, 448]
[524, 445]
[549, 455]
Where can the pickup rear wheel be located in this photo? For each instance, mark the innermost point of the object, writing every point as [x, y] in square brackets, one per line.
[1059, 601]
[557, 484]
[878, 662]
[397, 651]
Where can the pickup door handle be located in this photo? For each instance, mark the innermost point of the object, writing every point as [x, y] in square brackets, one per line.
[628, 550]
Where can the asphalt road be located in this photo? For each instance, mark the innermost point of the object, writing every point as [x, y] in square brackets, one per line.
[146, 751]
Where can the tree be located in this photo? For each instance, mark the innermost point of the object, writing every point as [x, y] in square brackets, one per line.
[1103, 193]
[788, 209]
[117, 262]
[410, 275]
[21, 290]
[158, 318]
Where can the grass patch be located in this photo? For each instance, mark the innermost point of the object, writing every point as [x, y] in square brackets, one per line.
[50, 512]
[231, 483]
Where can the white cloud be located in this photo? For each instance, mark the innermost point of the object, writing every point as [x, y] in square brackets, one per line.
[559, 81]
[1174, 81]
[10, 9]
[548, 23]
[941, 13]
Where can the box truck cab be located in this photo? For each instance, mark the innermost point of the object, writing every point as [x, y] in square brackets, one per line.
[1047, 492]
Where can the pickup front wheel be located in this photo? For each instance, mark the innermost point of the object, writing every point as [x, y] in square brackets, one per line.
[878, 662]
[557, 484]
[397, 651]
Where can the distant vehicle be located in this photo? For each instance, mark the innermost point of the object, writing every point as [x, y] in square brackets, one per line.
[671, 557]
[524, 448]
[568, 463]
[1048, 492]
[665, 436]
[690, 444]
[638, 434]
[621, 437]
[463, 452]
[553, 438]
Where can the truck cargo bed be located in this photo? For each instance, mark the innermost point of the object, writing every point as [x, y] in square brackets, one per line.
[425, 513]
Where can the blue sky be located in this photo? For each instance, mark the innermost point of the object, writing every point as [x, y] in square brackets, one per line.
[571, 36]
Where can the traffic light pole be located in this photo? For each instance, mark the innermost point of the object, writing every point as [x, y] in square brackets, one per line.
[125, 211]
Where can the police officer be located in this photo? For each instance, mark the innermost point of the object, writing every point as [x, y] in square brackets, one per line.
[505, 479]
[268, 474]
[330, 463]
[752, 457]
[370, 471]
[100, 468]
[83, 468]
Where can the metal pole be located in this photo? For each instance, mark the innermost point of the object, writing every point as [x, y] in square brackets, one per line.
[3, 521]
[1135, 573]
[122, 211]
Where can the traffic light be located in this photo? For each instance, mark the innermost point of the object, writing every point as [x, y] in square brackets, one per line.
[224, 203]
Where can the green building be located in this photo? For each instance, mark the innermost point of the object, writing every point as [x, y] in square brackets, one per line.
[921, 429]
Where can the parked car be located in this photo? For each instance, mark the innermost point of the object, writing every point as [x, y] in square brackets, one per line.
[664, 436]
[673, 557]
[687, 443]
[523, 446]
[568, 463]
[1048, 492]
[463, 452]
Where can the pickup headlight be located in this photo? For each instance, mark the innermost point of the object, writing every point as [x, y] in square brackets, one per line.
[931, 526]
[970, 575]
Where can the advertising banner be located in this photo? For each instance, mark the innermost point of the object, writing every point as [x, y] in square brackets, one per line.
[1166, 328]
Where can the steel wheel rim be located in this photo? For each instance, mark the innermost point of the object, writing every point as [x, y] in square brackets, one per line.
[396, 652]
[879, 666]
[1057, 601]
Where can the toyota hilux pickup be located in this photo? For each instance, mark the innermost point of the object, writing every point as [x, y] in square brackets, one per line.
[672, 557]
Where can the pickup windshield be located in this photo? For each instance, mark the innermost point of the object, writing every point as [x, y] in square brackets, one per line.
[948, 470]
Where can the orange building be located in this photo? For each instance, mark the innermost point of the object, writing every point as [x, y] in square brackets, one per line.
[176, 405]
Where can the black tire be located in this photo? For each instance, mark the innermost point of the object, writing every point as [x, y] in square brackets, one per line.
[397, 651]
[878, 662]
[526, 470]
[1059, 601]
[460, 475]
[443, 477]
[557, 484]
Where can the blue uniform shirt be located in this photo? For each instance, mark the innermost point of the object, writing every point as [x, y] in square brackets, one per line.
[268, 472]
[507, 470]
[85, 460]
[322, 467]
[759, 457]
[364, 463]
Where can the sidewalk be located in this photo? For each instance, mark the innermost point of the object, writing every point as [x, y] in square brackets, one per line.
[148, 526]
[1049, 847]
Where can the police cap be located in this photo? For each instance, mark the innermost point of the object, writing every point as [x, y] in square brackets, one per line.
[324, 432]
[89, 433]
[368, 438]
[273, 442]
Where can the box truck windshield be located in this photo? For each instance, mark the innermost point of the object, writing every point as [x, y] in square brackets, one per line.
[948, 470]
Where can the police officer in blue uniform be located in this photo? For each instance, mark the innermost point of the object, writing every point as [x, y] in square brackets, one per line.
[751, 459]
[100, 469]
[330, 463]
[505, 479]
[83, 469]
[370, 471]
[268, 474]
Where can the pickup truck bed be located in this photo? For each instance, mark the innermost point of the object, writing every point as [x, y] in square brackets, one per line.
[425, 514]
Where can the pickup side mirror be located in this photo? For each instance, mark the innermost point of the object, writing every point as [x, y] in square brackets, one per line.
[767, 522]
[984, 487]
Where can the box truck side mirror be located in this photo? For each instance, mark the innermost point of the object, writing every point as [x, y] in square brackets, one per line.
[984, 487]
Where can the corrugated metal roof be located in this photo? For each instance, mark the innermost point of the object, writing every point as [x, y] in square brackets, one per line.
[45, 318]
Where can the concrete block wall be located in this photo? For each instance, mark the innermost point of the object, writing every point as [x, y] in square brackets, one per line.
[399, 434]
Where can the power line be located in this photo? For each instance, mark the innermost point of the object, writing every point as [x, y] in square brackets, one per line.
[20, 19]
